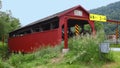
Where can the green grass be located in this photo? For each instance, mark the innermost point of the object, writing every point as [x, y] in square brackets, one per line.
[117, 56]
[115, 45]
[40, 57]
[117, 59]
[62, 66]
[114, 64]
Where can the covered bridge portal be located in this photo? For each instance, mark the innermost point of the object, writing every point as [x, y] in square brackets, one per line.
[50, 30]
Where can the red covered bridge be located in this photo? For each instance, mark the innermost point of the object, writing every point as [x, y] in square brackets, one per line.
[50, 30]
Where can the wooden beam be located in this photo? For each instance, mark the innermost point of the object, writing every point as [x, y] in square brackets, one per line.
[113, 21]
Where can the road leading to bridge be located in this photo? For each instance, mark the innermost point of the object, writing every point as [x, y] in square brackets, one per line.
[115, 49]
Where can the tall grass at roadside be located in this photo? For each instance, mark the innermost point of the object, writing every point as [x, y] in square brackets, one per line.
[86, 49]
[4, 64]
[40, 57]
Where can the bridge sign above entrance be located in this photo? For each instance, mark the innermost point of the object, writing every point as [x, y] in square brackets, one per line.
[96, 17]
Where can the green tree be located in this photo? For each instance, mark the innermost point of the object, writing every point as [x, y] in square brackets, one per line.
[99, 26]
[7, 23]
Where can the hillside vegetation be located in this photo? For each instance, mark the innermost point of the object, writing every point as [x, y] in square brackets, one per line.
[112, 11]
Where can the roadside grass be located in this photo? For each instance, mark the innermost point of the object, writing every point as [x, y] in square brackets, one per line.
[117, 59]
[40, 57]
[117, 56]
[116, 63]
[62, 66]
[115, 45]
[113, 64]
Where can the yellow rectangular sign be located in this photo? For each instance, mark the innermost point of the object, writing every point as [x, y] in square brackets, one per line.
[96, 17]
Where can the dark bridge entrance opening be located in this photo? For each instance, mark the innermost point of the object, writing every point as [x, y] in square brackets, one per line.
[83, 26]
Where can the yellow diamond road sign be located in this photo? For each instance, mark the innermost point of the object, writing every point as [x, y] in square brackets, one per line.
[96, 17]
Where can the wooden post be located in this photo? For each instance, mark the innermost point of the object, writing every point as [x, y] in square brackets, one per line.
[3, 40]
[117, 34]
[77, 30]
[65, 35]
[51, 26]
[92, 27]
[63, 21]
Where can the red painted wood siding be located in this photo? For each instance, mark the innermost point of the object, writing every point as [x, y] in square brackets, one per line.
[28, 43]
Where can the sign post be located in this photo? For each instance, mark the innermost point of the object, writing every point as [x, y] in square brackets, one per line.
[77, 30]
[117, 34]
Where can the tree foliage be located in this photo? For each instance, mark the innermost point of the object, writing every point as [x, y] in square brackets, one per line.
[8, 23]
[99, 26]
